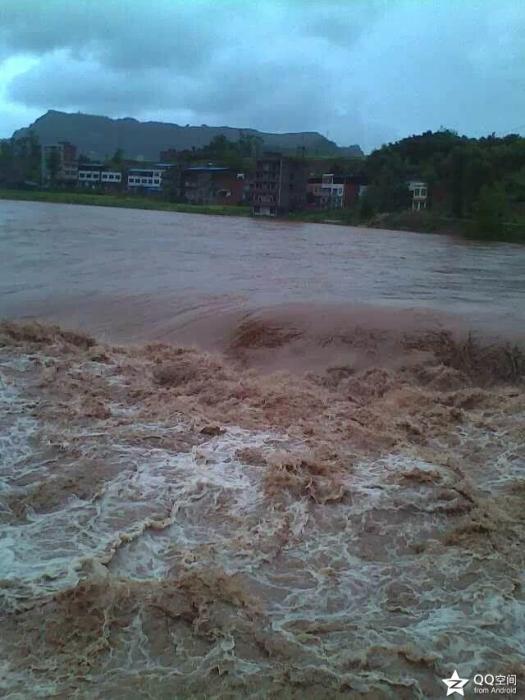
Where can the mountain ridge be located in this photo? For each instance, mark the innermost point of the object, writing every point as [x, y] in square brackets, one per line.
[98, 136]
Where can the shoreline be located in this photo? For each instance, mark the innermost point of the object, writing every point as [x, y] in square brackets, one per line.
[414, 222]
[120, 202]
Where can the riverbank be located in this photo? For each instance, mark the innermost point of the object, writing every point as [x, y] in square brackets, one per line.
[420, 222]
[417, 222]
[122, 201]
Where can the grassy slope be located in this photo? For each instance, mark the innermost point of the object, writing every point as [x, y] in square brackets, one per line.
[419, 222]
[129, 202]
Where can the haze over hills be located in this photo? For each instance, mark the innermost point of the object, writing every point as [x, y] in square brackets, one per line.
[99, 137]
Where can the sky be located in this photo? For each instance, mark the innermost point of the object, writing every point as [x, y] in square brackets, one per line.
[357, 71]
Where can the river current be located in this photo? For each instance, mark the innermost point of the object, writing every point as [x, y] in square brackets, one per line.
[256, 459]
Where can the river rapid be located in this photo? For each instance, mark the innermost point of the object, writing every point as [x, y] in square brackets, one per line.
[256, 459]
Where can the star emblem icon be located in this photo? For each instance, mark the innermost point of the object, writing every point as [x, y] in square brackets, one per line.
[455, 684]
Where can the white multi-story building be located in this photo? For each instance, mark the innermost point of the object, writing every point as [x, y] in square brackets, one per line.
[95, 175]
[88, 177]
[419, 191]
[111, 177]
[332, 193]
[148, 178]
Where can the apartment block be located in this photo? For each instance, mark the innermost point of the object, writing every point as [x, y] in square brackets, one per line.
[59, 163]
[279, 185]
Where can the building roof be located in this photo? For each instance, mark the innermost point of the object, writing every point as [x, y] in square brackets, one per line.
[207, 169]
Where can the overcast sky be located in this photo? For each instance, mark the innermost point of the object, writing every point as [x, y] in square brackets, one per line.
[358, 71]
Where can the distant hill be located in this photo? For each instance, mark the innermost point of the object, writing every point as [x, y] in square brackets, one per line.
[99, 137]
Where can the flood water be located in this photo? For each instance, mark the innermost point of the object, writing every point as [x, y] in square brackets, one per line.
[313, 487]
[133, 275]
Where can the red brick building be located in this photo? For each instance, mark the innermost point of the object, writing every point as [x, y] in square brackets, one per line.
[209, 184]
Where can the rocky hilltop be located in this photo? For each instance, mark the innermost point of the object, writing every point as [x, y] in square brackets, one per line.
[99, 137]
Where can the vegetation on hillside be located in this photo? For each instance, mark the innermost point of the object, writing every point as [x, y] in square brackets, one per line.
[240, 155]
[480, 181]
[19, 161]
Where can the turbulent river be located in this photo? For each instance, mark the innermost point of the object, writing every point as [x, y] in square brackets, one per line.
[256, 459]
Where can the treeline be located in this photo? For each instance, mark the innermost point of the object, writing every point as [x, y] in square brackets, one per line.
[480, 181]
[19, 161]
[240, 155]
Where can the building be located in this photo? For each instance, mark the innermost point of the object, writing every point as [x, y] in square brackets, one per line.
[155, 178]
[419, 192]
[355, 188]
[96, 175]
[326, 192]
[59, 163]
[111, 179]
[334, 191]
[89, 174]
[212, 184]
[279, 185]
[145, 179]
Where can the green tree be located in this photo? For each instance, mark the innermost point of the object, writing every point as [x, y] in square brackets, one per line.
[20, 160]
[118, 157]
[366, 208]
[53, 165]
[490, 212]
[250, 145]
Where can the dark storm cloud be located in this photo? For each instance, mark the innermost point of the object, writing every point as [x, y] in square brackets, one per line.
[85, 85]
[119, 33]
[360, 70]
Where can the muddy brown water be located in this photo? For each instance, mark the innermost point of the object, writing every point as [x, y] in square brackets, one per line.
[129, 275]
[177, 524]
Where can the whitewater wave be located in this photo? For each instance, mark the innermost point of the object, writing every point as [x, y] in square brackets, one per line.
[178, 524]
